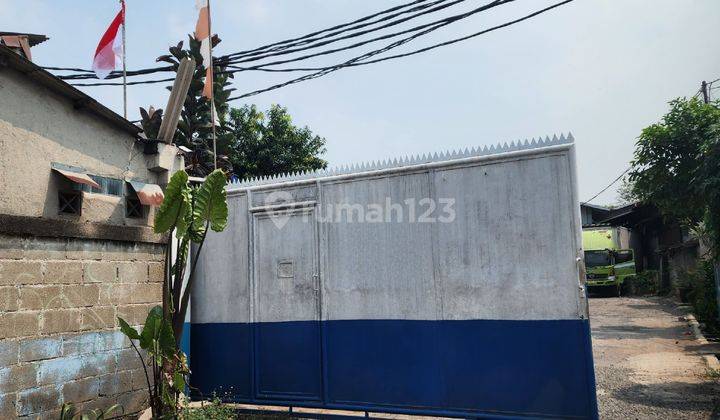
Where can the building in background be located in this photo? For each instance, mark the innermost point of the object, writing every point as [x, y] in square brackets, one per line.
[21, 43]
[592, 215]
[79, 188]
[660, 243]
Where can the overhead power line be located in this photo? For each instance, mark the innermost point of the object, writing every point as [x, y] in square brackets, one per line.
[232, 58]
[306, 39]
[364, 59]
[90, 74]
[609, 185]
[142, 82]
[432, 27]
[355, 61]
[415, 5]
[698, 93]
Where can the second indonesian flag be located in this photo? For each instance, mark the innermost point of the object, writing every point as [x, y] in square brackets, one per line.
[202, 34]
[108, 55]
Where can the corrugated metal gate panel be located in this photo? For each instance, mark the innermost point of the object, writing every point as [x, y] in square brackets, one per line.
[380, 270]
[518, 261]
[287, 354]
[480, 316]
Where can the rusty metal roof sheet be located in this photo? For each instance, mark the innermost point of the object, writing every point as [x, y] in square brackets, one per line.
[33, 39]
[148, 194]
[18, 41]
[74, 174]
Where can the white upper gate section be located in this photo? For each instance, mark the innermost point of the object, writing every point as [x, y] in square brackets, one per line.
[502, 241]
[406, 161]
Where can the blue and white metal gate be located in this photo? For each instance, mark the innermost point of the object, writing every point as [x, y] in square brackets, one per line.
[480, 314]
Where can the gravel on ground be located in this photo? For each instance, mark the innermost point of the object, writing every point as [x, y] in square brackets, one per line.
[648, 364]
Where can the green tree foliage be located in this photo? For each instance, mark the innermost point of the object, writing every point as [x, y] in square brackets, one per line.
[702, 296]
[249, 142]
[677, 165]
[195, 127]
[268, 143]
[626, 192]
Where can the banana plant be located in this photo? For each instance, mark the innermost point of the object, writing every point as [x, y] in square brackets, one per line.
[190, 212]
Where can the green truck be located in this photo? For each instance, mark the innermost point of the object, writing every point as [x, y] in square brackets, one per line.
[607, 263]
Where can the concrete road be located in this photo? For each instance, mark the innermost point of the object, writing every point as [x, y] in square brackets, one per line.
[648, 364]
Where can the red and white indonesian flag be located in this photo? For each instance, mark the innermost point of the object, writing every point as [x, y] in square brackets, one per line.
[108, 54]
[202, 34]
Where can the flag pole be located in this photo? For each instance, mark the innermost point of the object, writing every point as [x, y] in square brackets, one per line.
[125, 114]
[212, 87]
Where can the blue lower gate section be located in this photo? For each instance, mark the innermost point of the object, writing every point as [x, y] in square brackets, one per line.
[481, 368]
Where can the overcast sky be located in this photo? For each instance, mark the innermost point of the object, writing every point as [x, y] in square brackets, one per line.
[601, 69]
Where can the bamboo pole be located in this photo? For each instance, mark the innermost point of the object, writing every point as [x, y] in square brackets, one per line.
[212, 88]
[124, 64]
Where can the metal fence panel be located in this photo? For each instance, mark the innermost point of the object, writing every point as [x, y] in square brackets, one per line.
[444, 285]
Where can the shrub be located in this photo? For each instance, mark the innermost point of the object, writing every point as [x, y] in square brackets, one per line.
[643, 284]
[214, 410]
[702, 295]
[713, 374]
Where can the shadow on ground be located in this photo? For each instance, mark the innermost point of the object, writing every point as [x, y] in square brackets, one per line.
[634, 331]
[671, 395]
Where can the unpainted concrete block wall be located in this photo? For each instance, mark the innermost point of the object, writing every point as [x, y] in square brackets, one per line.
[59, 339]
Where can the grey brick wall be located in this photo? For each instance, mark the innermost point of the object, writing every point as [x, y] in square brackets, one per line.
[59, 341]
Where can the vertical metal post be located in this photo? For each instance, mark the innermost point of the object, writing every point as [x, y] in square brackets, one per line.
[212, 112]
[125, 114]
[705, 93]
[212, 87]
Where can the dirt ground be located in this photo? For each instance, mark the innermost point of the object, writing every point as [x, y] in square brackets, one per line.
[648, 364]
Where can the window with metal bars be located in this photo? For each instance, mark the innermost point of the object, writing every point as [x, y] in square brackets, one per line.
[108, 186]
[70, 202]
[134, 208]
